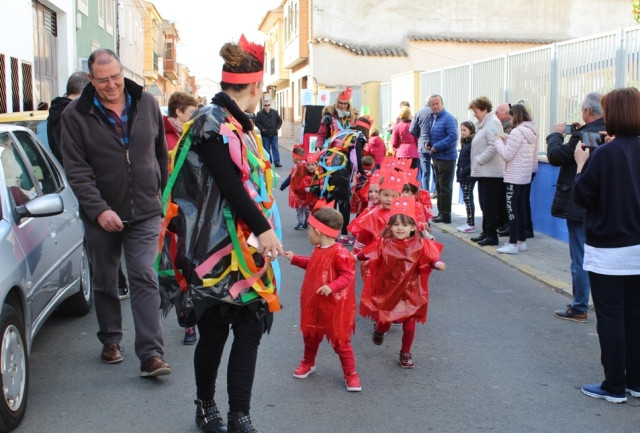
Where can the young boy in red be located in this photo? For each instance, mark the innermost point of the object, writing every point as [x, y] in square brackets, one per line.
[327, 297]
[303, 200]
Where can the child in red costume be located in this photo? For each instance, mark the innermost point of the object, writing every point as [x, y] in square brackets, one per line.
[302, 199]
[376, 147]
[359, 200]
[327, 298]
[368, 226]
[396, 277]
[423, 214]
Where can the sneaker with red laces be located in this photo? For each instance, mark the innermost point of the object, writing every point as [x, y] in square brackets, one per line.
[304, 369]
[352, 381]
[405, 360]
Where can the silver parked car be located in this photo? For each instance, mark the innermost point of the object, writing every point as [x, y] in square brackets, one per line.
[43, 263]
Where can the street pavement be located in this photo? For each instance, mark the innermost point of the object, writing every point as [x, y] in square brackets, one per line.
[491, 358]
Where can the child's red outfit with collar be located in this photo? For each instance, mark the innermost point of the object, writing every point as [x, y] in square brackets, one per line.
[300, 179]
[330, 316]
[396, 281]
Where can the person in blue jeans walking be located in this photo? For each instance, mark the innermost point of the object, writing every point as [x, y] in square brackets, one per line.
[563, 206]
[268, 121]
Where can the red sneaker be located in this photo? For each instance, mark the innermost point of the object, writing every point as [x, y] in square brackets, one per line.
[353, 382]
[304, 370]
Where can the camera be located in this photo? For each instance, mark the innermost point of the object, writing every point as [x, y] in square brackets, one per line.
[591, 140]
[569, 129]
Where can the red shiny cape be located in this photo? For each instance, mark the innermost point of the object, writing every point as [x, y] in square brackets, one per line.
[330, 316]
[396, 278]
[368, 227]
[425, 198]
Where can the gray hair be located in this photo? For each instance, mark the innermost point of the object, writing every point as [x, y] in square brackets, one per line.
[436, 96]
[592, 102]
[101, 56]
[76, 83]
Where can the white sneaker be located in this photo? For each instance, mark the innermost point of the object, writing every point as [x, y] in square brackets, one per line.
[469, 229]
[508, 249]
[462, 228]
[522, 247]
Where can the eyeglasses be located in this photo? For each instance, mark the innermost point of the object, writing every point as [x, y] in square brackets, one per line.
[106, 80]
[267, 105]
[343, 102]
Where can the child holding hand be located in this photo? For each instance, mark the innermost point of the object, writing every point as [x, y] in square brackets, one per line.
[396, 277]
[327, 297]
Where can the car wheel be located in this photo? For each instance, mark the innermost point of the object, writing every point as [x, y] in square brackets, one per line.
[79, 304]
[14, 369]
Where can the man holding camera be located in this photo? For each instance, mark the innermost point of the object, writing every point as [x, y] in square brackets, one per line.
[268, 122]
[563, 206]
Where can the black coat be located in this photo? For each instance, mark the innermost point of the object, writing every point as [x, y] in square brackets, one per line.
[561, 155]
[268, 123]
[463, 174]
[54, 125]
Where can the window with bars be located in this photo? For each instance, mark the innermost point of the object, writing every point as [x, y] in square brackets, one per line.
[27, 87]
[3, 86]
[15, 85]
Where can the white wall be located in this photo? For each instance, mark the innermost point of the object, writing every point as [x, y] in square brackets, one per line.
[389, 21]
[131, 34]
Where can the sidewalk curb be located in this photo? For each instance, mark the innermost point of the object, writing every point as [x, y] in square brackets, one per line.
[550, 281]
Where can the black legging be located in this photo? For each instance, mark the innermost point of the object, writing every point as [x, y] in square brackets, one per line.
[247, 332]
[344, 207]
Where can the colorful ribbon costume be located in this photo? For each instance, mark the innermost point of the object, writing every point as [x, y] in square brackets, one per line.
[205, 250]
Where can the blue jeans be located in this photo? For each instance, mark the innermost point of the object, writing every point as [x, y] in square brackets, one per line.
[425, 171]
[579, 277]
[271, 146]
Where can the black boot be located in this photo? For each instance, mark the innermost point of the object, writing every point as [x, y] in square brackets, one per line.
[489, 240]
[240, 422]
[208, 417]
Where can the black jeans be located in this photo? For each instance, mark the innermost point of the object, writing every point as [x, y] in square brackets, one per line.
[445, 171]
[616, 299]
[492, 199]
[247, 332]
[517, 211]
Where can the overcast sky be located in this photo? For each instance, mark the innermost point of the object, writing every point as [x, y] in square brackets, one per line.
[205, 25]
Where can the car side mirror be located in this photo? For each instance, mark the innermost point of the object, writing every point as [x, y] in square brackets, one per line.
[46, 205]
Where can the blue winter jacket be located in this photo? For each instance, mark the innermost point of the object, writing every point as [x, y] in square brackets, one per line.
[444, 136]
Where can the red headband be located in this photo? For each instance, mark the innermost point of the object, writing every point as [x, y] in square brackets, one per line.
[322, 227]
[363, 124]
[241, 77]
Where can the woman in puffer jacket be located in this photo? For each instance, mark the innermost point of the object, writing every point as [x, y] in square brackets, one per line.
[517, 149]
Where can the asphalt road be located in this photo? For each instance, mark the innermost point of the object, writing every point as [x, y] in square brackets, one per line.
[491, 358]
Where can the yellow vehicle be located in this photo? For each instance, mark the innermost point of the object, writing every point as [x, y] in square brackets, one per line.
[33, 120]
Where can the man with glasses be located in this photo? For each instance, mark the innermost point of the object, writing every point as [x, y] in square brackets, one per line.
[268, 122]
[116, 160]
